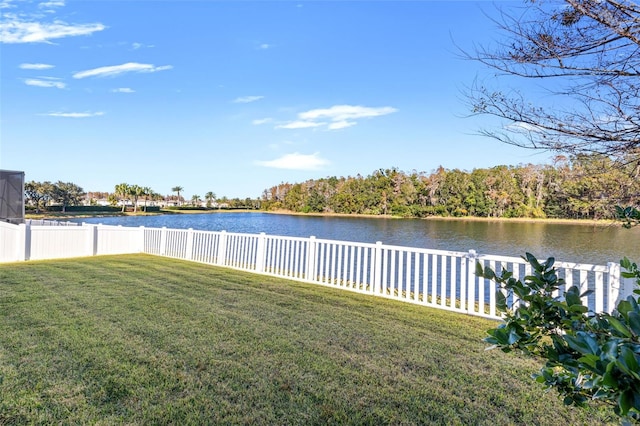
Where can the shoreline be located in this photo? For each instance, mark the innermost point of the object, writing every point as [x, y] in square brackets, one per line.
[560, 221]
[72, 215]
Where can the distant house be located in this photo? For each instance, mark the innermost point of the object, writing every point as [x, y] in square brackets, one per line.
[94, 202]
[11, 196]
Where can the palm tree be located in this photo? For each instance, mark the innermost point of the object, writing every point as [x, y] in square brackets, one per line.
[122, 191]
[209, 196]
[195, 199]
[135, 191]
[146, 193]
[177, 190]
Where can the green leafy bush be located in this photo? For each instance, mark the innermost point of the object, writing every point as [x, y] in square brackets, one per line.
[590, 357]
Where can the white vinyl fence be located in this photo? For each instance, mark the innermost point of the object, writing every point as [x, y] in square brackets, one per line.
[47, 241]
[442, 279]
[436, 278]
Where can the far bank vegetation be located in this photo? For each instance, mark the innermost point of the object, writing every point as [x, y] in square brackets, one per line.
[579, 187]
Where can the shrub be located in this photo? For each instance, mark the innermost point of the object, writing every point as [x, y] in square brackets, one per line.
[589, 356]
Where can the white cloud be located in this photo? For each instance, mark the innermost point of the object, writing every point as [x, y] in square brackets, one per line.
[265, 46]
[301, 124]
[136, 46]
[36, 66]
[345, 112]
[75, 114]
[247, 99]
[261, 121]
[114, 70]
[51, 4]
[341, 124]
[521, 127]
[336, 117]
[45, 83]
[14, 30]
[123, 90]
[296, 161]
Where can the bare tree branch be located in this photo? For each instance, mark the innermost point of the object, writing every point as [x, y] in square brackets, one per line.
[586, 53]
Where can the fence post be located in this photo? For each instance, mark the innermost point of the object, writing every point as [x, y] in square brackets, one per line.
[163, 241]
[189, 248]
[377, 267]
[92, 239]
[222, 248]
[471, 281]
[260, 252]
[311, 259]
[23, 242]
[142, 240]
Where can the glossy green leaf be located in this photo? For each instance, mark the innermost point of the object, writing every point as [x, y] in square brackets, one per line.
[513, 337]
[533, 261]
[479, 269]
[634, 322]
[619, 327]
[625, 402]
[583, 343]
[628, 360]
[589, 360]
[609, 350]
[608, 379]
[624, 307]
[501, 301]
[572, 296]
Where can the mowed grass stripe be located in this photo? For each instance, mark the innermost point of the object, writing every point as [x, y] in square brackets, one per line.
[143, 339]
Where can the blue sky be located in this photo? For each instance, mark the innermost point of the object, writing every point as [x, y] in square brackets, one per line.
[237, 96]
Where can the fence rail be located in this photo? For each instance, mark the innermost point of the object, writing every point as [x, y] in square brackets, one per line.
[45, 222]
[436, 278]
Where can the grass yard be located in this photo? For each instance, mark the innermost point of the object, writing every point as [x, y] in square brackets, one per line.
[149, 340]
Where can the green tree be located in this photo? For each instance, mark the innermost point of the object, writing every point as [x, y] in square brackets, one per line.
[112, 199]
[210, 198]
[530, 178]
[122, 191]
[453, 191]
[67, 194]
[136, 191]
[177, 190]
[39, 194]
[315, 201]
[147, 193]
[295, 199]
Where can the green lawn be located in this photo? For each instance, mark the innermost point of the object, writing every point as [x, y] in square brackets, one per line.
[148, 340]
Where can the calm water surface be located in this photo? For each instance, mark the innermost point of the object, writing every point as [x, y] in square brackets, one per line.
[582, 243]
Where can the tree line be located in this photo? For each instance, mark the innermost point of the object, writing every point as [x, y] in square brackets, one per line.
[577, 187]
[41, 195]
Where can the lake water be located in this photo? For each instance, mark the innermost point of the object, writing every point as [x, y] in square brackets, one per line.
[583, 243]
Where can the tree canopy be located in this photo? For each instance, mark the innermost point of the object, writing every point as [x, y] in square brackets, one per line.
[577, 187]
